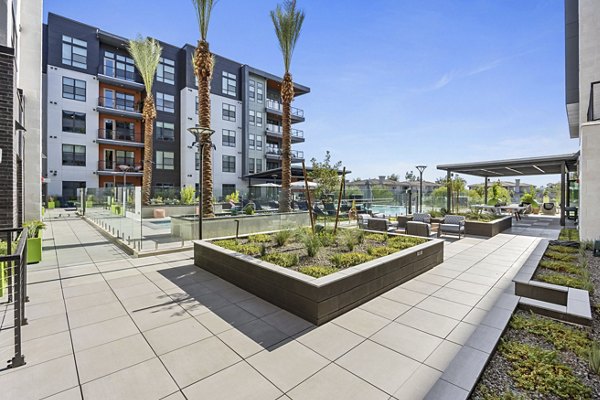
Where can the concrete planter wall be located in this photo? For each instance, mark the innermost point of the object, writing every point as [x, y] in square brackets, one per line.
[186, 226]
[488, 229]
[318, 300]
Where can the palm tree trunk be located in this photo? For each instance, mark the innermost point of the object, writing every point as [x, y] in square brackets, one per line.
[287, 95]
[149, 115]
[203, 68]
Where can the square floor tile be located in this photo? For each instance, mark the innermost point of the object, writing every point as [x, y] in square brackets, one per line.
[429, 322]
[361, 322]
[408, 341]
[155, 316]
[385, 308]
[252, 338]
[286, 322]
[444, 307]
[443, 355]
[404, 296]
[167, 338]
[95, 314]
[419, 383]
[102, 332]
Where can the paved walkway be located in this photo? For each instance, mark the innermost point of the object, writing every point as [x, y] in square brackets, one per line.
[106, 326]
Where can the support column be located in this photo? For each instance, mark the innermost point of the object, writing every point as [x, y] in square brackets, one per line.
[449, 192]
[485, 190]
[563, 199]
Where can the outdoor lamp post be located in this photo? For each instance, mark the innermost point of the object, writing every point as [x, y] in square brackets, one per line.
[198, 133]
[124, 168]
[421, 168]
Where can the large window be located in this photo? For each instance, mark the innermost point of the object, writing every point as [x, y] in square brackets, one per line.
[259, 118]
[228, 138]
[228, 112]
[229, 84]
[260, 90]
[252, 117]
[227, 190]
[73, 122]
[251, 165]
[165, 160]
[166, 71]
[165, 131]
[73, 89]
[74, 52]
[228, 163]
[165, 102]
[259, 143]
[73, 154]
[259, 167]
[119, 66]
[126, 158]
[251, 141]
[252, 90]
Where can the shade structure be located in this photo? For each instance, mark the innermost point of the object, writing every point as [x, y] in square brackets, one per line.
[267, 185]
[301, 185]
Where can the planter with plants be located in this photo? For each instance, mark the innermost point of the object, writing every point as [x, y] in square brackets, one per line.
[34, 240]
[52, 203]
[319, 276]
[529, 199]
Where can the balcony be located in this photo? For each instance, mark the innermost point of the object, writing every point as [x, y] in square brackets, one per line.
[120, 137]
[274, 153]
[120, 107]
[275, 107]
[118, 77]
[136, 168]
[277, 131]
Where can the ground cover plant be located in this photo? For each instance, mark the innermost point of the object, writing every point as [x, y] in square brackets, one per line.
[319, 254]
[565, 265]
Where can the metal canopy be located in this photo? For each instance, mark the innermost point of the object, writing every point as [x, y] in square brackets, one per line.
[544, 165]
[276, 173]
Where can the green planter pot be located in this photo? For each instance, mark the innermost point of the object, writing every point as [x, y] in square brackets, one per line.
[51, 205]
[89, 204]
[116, 209]
[34, 249]
[3, 280]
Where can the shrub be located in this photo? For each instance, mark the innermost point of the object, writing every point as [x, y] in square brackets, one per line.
[558, 256]
[312, 243]
[594, 358]
[350, 239]
[282, 237]
[249, 209]
[248, 249]
[235, 196]
[317, 271]
[229, 244]
[260, 238]
[404, 242]
[349, 259]
[528, 198]
[377, 237]
[327, 238]
[188, 194]
[380, 251]
[286, 260]
[562, 249]
[536, 369]
[35, 226]
[566, 280]
[263, 249]
[561, 266]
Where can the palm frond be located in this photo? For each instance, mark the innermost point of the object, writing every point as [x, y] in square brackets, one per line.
[146, 55]
[287, 21]
[203, 11]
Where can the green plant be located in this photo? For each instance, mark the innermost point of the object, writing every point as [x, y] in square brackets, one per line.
[562, 249]
[259, 238]
[380, 251]
[34, 227]
[345, 260]
[377, 237]
[312, 244]
[594, 358]
[281, 237]
[566, 280]
[570, 234]
[249, 209]
[286, 260]
[317, 271]
[487, 394]
[528, 198]
[536, 369]
[325, 174]
[327, 238]
[234, 245]
[188, 194]
[235, 196]
[561, 266]
[404, 242]
[263, 250]
[350, 238]
[558, 256]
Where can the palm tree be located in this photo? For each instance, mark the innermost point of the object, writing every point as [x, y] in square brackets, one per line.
[146, 55]
[203, 68]
[288, 24]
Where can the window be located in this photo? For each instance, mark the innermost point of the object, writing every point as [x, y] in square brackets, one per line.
[197, 161]
[259, 118]
[252, 117]
[251, 165]
[165, 131]
[74, 52]
[258, 165]
[165, 102]
[228, 163]
[228, 112]
[228, 189]
[260, 88]
[125, 158]
[165, 160]
[228, 138]
[69, 189]
[124, 131]
[125, 101]
[196, 109]
[251, 141]
[166, 71]
[258, 142]
[73, 89]
[252, 90]
[73, 122]
[118, 66]
[229, 84]
[73, 154]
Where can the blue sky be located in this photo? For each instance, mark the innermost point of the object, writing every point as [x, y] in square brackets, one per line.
[393, 85]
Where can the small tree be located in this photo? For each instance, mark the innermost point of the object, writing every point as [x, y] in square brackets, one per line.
[325, 175]
[394, 177]
[498, 194]
[410, 176]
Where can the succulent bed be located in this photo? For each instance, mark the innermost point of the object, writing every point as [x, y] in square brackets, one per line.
[322, 253]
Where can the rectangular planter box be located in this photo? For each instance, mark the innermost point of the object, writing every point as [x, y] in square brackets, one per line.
[318, 300]
[488, 229]
[34, 250]
[51, 205]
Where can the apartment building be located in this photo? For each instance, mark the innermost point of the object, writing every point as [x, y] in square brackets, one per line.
[94, 123]
[20, 111]
[582, 95]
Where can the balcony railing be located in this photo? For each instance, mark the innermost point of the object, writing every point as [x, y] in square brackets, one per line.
[277, 129]
[277, 106]
[113, 72]
[594, 106]
[115, 166]
[275, 151]
[120, 104]
[123, 135]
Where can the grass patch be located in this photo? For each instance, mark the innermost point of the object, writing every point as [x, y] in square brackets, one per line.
[260, 238]
[561, 266]
[234, 245]
[566, 280]
[380, 251]
[558, 256]
[404, 242]
[540, 370]
[317, 271]
[562, 249]
[346, 260]
[377, 237]
[285, 260]
[562, 336]
[570, 234]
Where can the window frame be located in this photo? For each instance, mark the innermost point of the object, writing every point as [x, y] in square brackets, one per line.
[73, 45]
[73, 162]
[227, 87]
[163, 65]
[72, 118]
[160, 161]
[226, 112]
[228, 163]
[252, 90]
[229, 134]
[75, 97]
[160, 128]
[160, 102]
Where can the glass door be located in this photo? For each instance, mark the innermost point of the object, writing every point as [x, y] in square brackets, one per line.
[109, 159]
[109, 129]
[109, 98]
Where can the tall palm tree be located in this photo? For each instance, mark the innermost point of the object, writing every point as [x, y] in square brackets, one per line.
[203, 68]
[146, 55]
[288, 24]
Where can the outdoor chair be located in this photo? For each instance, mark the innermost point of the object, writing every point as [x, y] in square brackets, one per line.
[379, 224]
[549, 209]
[363, 220]
[422, 217]
[454, 224]
[417, 228]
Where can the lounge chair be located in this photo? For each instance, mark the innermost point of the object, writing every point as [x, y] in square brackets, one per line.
[454, 224]
[422, 217]
[363, 220]
[379, 224]
[417, 228]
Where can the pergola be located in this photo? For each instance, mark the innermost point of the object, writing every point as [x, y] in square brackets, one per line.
[275, 173]
[546, 165]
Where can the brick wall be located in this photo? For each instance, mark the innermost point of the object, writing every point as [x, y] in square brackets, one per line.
[8, 167]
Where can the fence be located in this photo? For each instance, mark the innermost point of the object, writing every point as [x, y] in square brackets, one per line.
[15, 263]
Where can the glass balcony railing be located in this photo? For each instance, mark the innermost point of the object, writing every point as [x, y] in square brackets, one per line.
[124, 165]
[117, 73]
[276, 151]
[120, 104]
[277, 129]
[277, 106]
[120, 134]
